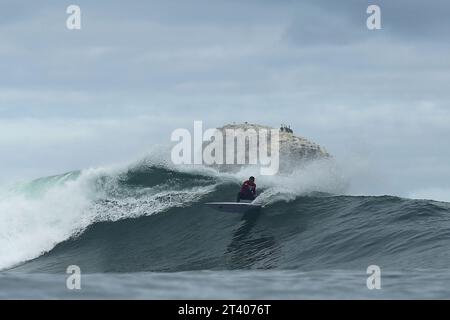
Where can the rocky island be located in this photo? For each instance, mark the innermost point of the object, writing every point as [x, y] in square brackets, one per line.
[293, 150]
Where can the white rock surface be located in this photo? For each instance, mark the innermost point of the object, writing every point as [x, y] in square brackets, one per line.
[293, 149]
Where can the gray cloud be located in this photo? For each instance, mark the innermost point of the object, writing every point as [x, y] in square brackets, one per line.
[377, 95]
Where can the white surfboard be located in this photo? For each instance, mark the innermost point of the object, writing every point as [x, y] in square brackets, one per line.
[233, 207]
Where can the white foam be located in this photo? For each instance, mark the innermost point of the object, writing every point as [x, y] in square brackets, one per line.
[132, 207]
[33, 224]
[36, 218]
[316, 176]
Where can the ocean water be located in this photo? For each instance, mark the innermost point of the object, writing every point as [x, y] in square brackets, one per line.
[142, 232]
[250, 284]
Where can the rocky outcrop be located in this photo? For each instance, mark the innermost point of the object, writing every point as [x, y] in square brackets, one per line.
[290, 144]
[293, 149]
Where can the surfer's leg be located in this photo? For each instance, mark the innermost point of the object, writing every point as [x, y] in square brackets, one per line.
[238, 198]
[246, 196]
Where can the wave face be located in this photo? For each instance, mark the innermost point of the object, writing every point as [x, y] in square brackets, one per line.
[152, 218]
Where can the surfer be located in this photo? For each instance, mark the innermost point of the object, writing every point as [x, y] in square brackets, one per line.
[248, 190]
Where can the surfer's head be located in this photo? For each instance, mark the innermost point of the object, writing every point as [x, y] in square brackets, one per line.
[252, 179]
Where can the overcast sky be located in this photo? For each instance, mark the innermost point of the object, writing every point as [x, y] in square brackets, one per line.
[137, 70]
